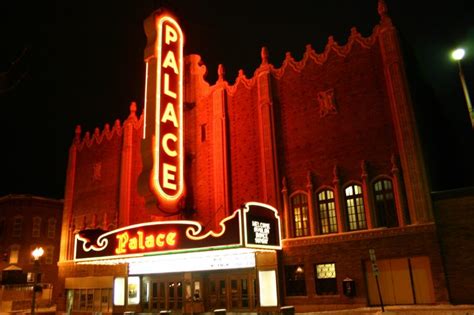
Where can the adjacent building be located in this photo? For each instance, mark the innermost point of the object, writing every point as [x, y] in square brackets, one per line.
[28, 222]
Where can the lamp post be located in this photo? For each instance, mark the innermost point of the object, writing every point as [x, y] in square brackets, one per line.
[458, 55]
[37, 253]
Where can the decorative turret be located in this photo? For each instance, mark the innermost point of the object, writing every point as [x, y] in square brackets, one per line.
[264, 55]
[220, 73]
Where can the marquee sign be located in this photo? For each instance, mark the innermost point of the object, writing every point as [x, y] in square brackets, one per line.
[163, 121]
[255, 225]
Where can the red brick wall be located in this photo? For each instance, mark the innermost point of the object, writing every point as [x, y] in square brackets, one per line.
[361, 130]
[349, 253]
[454, 213]
[244, 145]
[97, 195]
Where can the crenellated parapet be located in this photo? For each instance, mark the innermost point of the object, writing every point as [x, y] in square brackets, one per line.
[310, 55]
[107, 133]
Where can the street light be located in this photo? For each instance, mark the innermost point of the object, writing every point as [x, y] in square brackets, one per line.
[37, 253]
[458, 55]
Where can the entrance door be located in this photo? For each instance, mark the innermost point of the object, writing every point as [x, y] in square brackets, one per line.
[164, 294]
[232, 292]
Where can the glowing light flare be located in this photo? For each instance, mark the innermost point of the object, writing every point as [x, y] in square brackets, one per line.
[37, 253]
[458, 54]
[166, 178]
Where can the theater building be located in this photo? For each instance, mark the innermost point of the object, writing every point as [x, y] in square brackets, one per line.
[300, 185]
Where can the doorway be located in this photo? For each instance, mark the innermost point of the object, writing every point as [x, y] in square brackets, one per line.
[402, 281]
[162, 294]
[231, 292]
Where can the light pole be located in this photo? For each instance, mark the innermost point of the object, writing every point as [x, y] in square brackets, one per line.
[458, 55]
[37, 253]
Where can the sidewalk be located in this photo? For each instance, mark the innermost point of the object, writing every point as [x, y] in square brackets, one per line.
[444, 309]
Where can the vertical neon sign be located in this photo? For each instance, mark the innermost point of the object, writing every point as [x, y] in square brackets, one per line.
[163, 121]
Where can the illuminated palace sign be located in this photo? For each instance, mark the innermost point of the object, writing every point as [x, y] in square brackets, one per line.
[255, 225]
[163, 122]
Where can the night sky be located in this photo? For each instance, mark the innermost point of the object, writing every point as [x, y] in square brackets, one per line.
[68, 63]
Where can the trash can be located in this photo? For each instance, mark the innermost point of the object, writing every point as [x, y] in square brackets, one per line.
[220, 311]
[287, 310]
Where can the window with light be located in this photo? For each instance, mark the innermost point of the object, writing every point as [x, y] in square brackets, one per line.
[299, 206]
[355, 208]
[14, 254]
[326, 283]
[327, 212]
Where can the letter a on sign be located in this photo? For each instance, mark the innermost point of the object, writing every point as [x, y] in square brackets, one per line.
[164, 110]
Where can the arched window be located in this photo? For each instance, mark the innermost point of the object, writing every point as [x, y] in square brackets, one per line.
[299, 206]
[385, 203]
[355, 208]
[327, 212]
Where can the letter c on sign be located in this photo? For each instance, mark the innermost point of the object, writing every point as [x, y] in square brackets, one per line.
[164, 144]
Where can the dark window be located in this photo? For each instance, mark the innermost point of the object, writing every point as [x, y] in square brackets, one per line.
[299, 205]
[51, 227]
[2, 226]
[327, 212]
[385, 203]
[326, 283]
[17, 226]
[203, 132]
[36, 227]
[295, 280]
[355, 208]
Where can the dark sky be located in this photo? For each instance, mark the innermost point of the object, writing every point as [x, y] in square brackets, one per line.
[66, 63]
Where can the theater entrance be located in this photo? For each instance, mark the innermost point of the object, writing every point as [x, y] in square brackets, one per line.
[162, 293]
[198, 292]
[231, 291]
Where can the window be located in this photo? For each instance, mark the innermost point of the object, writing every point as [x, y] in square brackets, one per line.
[295, 280]
[2, 226]
[203, 132]
[385, 203]
[51, 227]
[355, 208]
[49, 255]
[327, 212]
[17, 226]
[14, 254]
[95, 300]
[36, 227]
[299, 205]
[326, 283]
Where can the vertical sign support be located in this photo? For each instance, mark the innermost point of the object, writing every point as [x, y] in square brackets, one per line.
[375, 269]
